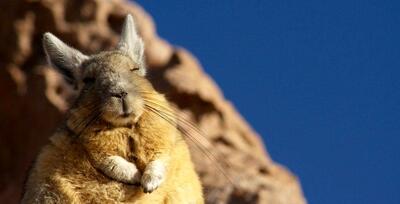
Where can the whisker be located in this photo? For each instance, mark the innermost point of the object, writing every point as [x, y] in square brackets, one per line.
[191, 125]
[188, 123]
[91, 121]
[77, 121]
[170, 116]
[185, 122]
[194, 127]
[85, 121]
[197, 143]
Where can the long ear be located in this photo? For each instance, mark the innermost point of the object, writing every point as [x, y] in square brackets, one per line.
[66, 59]
[131, 44]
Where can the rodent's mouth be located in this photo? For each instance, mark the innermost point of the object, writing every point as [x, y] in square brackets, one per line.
[121, 119]
[122, 113]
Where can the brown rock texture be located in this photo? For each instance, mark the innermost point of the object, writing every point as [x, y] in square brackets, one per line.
[34, 99]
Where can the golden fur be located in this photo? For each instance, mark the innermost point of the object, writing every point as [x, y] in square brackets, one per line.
[63, 172]
[104, 130]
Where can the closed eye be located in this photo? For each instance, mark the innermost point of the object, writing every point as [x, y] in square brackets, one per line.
[134, 69]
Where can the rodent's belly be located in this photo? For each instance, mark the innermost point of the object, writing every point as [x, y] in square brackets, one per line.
[110, 192]
[105, 190]
[91, 186]
[81, 180]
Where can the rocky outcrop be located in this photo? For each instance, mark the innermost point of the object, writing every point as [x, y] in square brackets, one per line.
[34, 99]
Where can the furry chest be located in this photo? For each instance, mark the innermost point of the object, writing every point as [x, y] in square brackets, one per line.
[141, 150]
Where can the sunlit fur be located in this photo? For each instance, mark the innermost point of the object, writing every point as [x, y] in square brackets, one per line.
[107, 144]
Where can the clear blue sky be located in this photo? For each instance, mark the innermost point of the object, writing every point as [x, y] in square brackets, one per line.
[319, 80]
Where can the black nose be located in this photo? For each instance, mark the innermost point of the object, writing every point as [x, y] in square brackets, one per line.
[121, 94]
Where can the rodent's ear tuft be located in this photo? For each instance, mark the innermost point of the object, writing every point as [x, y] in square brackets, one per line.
[131, 44]
[65, 59]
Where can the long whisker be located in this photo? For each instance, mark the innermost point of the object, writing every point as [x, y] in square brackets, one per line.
[79, 121]
[84, 122]
[190, 126]
[197, 143]
[91, 121]
[171, 110]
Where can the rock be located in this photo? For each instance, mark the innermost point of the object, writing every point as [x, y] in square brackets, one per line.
[34, 99]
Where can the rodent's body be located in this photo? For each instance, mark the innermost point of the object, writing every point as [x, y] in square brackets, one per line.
[63, 173]
[119, 133]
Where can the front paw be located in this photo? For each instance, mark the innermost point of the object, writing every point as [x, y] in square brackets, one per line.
[121, 170]
[151, 182]
[153, 176]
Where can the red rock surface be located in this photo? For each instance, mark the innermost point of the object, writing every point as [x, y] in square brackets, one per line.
[34, 99]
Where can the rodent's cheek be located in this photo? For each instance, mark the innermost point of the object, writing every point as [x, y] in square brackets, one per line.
[137, 105]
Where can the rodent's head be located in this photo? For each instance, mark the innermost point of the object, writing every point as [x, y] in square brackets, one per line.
[110, 83]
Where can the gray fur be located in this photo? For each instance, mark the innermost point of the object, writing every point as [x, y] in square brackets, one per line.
[131, 44]
[66, 59]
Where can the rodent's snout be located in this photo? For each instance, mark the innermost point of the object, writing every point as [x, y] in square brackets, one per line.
[126, 108]
[122, 107]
